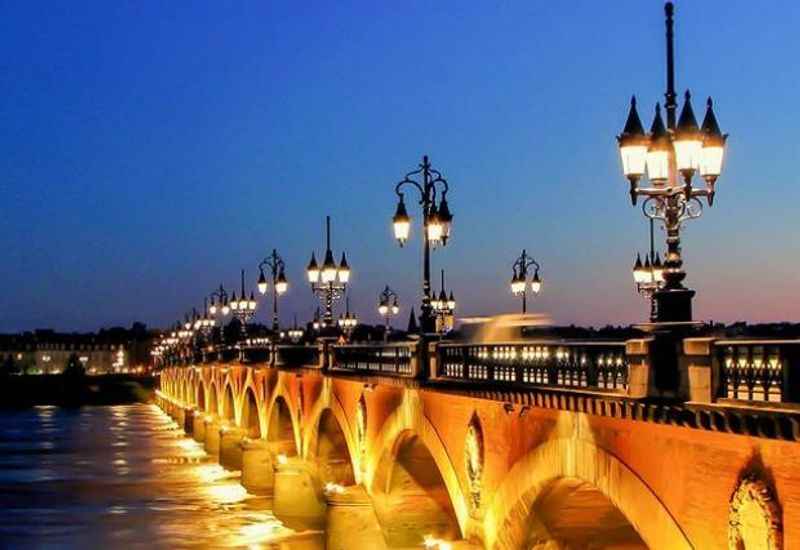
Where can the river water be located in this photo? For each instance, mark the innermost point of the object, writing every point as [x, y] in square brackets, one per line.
[124, 477]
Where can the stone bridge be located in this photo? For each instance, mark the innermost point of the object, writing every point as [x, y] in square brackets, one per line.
[465, 454]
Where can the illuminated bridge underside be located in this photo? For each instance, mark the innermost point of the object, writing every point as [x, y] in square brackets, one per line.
[411, 462]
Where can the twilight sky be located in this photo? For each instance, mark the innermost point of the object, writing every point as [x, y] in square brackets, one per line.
[151, 149]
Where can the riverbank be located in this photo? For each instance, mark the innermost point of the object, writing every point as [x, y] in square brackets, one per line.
[112, 389]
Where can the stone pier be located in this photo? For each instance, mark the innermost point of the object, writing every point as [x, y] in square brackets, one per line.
[199, 427]
[212, 436]
[297, 492]
[230, 451]
[351, 521]
[258, 473]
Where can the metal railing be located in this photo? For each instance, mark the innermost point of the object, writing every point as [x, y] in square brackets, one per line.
[393, 359]
[758, 370]
[592, 365]
[297, 355]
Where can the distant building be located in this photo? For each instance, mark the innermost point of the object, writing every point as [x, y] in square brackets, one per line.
[113, 351]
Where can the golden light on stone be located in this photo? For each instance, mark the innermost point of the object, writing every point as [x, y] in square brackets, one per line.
[474, 458]
[432, 543]
[754, 520]
[332, 488]
[361, 424]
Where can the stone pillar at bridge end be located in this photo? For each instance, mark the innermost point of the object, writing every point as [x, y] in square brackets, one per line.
[697, 361]
[675, 368]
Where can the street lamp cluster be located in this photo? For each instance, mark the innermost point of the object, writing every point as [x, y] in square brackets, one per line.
[519, 280]
[243, 309]
[649, 276]
[436, 225]
[329, 281]
[276, 266]
[347, 321]
[444, 307]
[670, 156]
[388, 307]
[660, 166]
[204, 324]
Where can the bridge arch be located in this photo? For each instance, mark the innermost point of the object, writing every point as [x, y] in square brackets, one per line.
[213, 399]
[408, 454]
[188, 394]
[329, 443]
[229, 404]
[200, 395]
[568, 473]
[251, 418]
[281, 425]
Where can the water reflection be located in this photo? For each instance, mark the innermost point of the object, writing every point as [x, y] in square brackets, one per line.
[124, 477]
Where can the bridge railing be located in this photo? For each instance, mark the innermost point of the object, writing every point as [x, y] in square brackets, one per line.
[256, 354]
[228, 354]
[758, 370]
[309, 356]
[394, 359]
[586, 364]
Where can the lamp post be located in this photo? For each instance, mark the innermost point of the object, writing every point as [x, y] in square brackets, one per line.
[316, 322]
[329, 282]
[519, 281]
[295, 333]
[279, 283]
[443, 308]
[348, 321]
[649, 276]
[680, 149]
[243, 309]
[205, 323]
[388, 306]
[436, 224]
[219, 302]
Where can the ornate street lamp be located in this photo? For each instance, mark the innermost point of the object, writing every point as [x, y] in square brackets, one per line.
[219, 303]
[279, 283]
[519, 281]
[444, 308]
[328, 282]
[680, 149]
[348, 321]
[243, 309]
[205, 323]
[436, 225]
[649, 276]
[295, 333]
[387, 307]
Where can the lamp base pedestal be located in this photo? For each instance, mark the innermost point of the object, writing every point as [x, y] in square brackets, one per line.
[674, 305]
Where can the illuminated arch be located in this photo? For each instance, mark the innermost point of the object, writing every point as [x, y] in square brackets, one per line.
[200, 396]
[337, 442]
[507, 522]
[251, 418]
[281, 421]
[408, 420]
[228, 411]
[212, 403]
[188, 394]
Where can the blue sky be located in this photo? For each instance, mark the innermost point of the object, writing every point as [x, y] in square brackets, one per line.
[151, 150]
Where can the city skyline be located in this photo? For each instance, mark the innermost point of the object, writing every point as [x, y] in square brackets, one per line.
[151, 156]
